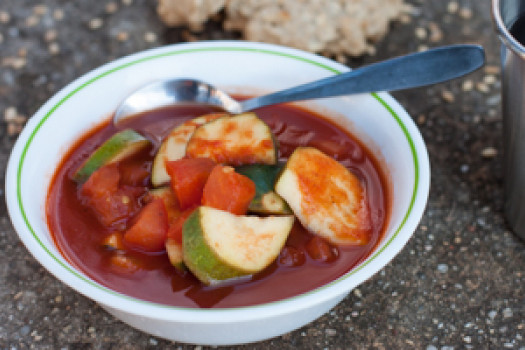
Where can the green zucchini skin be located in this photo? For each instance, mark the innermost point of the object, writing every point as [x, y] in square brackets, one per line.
[266, 200]
[121, 145]
[220, 247]
[173, 147]
[200, 259]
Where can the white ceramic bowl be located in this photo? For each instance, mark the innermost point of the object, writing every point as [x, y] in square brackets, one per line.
[377, 119]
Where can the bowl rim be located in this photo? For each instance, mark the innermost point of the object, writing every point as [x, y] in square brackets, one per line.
[101, 294]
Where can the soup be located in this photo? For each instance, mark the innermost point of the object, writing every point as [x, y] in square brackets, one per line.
[305, 262]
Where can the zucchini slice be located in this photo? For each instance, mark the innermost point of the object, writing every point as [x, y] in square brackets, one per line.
[173, 248]
[326, 197]
[266, 201]
[173, 147]
[119, 146]
[219, 246]
[174, 251]
[236, 140]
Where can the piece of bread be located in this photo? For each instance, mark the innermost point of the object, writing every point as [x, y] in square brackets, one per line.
[331, 27]
[192, 13]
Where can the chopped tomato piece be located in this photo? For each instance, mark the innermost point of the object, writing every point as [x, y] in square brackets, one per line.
[103, 182]
[135, 173]
[228, 190]
[169, 199]
[113, 205]
[291, 256]
[320, 250]
[148, 233]
[188, 177]
[175, 230]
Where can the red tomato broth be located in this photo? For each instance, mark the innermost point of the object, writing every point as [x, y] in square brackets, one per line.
[79, 235]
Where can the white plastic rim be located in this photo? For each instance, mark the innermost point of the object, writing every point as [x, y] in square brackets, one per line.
[48, 134]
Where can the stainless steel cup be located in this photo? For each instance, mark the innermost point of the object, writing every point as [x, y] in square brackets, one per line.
[505, 13]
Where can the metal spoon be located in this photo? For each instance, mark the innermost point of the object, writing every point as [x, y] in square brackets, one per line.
[404, 72]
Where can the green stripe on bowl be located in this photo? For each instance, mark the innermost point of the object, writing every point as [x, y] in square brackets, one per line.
[196, 50]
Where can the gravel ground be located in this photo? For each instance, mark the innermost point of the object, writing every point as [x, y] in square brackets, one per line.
[458, 284]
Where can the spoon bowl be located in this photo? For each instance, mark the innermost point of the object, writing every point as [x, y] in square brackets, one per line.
[404, 72]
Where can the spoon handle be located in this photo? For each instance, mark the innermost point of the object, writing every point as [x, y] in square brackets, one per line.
[404, 72]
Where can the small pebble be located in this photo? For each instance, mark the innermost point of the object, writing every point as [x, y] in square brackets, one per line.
[476, 119]
[50, 35]
[22, 52]
[5, 17]
[122, 36]
[436, 35]
[96, 23]
[25, 330]
[421, 33]
[489, 79]
[465, 13]
[442, 268]
[127, 2]
[54, 48]
[447, 96]
[452, 7]
[15, 124]
[10, 114]
[492, 314]
[14, 62]
[14, 129]
[467, 85]
[489, 152]
[58, 14]
[507, 313]
[32, 21]
[111, 7]
[405, 18]
[482, 87]
[150, 37]
[40, 10]
[493, 100]
[330, 332]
